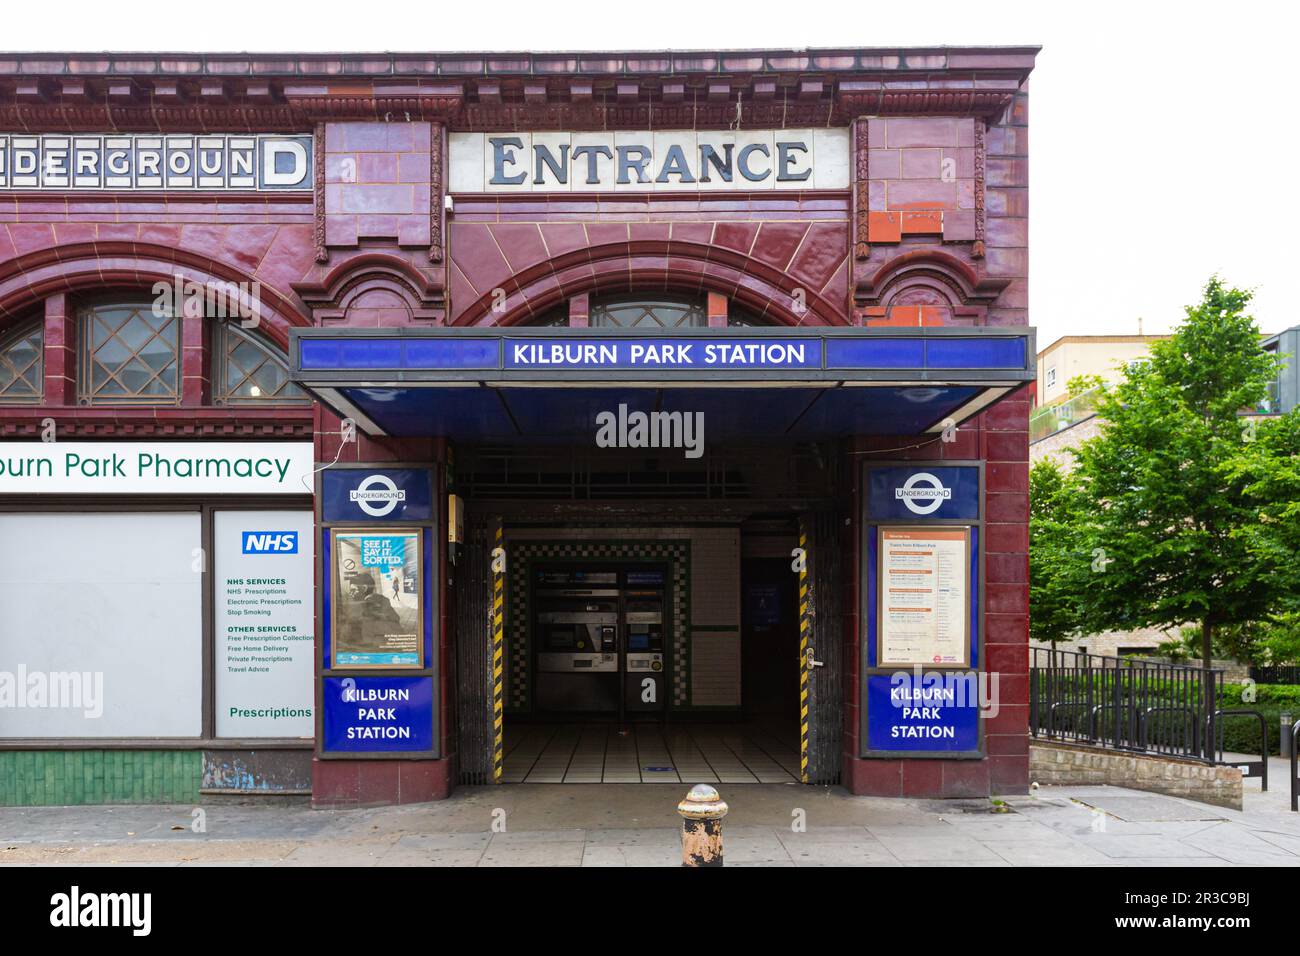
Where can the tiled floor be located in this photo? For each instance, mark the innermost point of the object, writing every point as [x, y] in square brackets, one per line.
[650, 753]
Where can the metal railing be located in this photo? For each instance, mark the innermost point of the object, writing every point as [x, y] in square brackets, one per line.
[1050, 419]
[1123, 704]
[1214, 726]
[1275, 674]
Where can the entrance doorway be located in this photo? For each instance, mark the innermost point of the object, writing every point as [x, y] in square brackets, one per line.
[649, 618]
[601, 641]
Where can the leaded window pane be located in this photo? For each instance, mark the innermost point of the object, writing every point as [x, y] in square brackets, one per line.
[250, 371]
[129, 353]
[642, 312]
[22, 365]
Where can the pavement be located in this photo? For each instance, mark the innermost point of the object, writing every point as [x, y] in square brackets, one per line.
[636, 825]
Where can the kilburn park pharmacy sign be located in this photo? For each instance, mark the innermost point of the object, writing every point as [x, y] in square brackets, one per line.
[223, 468]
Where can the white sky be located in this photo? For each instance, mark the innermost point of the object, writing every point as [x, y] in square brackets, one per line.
[1161, 146]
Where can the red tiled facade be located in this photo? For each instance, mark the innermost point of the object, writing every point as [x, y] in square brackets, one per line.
[931, 231]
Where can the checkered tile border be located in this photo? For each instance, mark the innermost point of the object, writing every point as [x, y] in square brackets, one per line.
[676, 552]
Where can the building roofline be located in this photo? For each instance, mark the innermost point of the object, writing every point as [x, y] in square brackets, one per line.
[557, 64]
[1067, 339]
[702, 89]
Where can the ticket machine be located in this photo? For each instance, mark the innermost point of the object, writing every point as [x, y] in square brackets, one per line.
[599, 639]
[644, 674]
[575, 632]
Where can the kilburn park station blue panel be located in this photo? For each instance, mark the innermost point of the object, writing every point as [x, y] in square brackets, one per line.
[548, 384]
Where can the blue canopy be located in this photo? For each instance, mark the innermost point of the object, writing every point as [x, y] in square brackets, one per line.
[548, 384]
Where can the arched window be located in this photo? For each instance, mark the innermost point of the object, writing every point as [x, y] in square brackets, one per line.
[648, 312]
[129, 353]
[640, 311]
[246, 371]
[21, 364]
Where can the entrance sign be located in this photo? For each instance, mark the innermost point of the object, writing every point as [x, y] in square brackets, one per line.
[924, 597]
[156, 468]
[677, 160]
[379, 605]
[377, 714]
[188, 162]
[263, 623]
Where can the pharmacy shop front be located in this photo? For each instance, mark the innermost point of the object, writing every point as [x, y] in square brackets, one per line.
[156, 620]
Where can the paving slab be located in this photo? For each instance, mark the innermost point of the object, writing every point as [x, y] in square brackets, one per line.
[636, 825]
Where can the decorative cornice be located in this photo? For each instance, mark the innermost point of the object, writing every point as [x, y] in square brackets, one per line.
[689, 90]
[197, 118]
[740, 111]
[410, 108]
[215, 422]
[931, 102]
[121, 68]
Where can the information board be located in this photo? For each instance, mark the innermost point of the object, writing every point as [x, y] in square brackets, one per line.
[263, 623]
[924, 599]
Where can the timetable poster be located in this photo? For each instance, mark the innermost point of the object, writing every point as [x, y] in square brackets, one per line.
[924, 597]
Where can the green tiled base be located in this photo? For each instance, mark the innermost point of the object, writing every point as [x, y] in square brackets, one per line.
[56, 778]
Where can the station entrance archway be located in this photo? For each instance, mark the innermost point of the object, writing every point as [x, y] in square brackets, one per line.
[654, 636]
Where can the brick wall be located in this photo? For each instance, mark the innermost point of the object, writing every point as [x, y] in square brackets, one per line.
[1053, 764]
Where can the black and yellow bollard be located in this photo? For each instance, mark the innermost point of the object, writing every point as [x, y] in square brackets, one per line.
[702, 812]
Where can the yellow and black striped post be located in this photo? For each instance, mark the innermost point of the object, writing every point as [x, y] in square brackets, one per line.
[498, 652]
[805, 637]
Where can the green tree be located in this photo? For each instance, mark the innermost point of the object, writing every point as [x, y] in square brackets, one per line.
[1079, 384]
[1054, 554]
[1165, 481]
[1270, 467]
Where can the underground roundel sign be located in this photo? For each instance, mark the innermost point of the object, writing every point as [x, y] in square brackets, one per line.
[933, 491]
[377, 495]
[923, 493]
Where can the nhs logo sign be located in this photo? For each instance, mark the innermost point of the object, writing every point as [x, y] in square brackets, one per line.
[270, 542]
